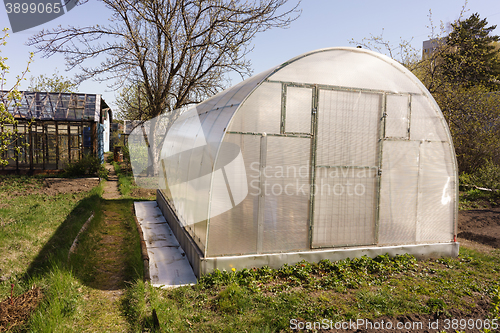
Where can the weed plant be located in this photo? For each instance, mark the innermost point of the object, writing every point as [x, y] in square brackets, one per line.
[473, 198]
[126, 183]
[486, 177]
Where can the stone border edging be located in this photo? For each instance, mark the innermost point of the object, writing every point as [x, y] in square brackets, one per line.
[84, 227]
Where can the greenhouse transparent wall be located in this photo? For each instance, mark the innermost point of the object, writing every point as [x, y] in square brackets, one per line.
[339, 147]
[194, 184]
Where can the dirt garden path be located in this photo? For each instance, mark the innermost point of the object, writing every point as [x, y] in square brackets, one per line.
[111, 190]
[108, 267]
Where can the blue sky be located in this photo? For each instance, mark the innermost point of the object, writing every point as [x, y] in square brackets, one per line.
[323, 23]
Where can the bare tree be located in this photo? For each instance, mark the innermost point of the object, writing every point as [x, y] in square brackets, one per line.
[181, 50]
[131, 101]
[403, 52]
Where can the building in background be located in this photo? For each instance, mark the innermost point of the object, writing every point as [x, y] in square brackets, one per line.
[429, 46]
[128, 127]
[55, 129]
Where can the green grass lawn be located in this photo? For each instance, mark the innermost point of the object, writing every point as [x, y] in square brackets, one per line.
[37, 230]
[266, 300]
[81, 293]
[36, 233]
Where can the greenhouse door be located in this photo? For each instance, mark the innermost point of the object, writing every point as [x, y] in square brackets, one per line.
[346, 168]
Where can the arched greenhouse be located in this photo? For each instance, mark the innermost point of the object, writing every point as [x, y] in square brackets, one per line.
[337, 153]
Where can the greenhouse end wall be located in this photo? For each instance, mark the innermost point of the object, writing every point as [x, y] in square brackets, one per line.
[338, 152]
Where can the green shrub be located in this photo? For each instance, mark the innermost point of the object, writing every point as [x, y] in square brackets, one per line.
[465, 180]
[88, 165]
[488, 175]
[436, 305]
[126, 154]
[474, 194]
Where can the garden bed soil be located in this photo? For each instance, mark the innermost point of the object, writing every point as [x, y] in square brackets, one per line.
[53, 186]
[480, 225]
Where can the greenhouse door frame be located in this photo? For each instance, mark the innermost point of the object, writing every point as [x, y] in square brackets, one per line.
[373, 222]
[313, 135]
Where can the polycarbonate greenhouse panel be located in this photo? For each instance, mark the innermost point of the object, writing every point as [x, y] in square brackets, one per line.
[261, 112]
[235, 231]
[236, 94]
[397, 116]
[344, 208]
[347, 168]
[229, 186]
[345, 68]
[286, 192]
[427, 123]
[189, 188]
[436, 193]
[190, 166]
[298, 110]
[348, 128]
[398, 192]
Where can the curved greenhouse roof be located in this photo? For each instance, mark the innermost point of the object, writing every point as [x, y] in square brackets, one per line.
[339, 148]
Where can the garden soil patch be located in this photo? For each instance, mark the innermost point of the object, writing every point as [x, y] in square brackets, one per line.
[142, 192]
[480, 225]
[53, 186]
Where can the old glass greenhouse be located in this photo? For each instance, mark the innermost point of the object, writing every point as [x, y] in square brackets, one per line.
[55, 129]
[337, 153]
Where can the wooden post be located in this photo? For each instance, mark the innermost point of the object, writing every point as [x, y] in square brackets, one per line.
[35, 148]
[94, 139]
[3, 154]
[43, 145]
[30, 140]
[47, 142]
[69, 144]
[80, 137]
[57, 146]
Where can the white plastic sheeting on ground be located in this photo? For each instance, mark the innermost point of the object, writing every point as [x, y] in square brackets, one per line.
[168, 264]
